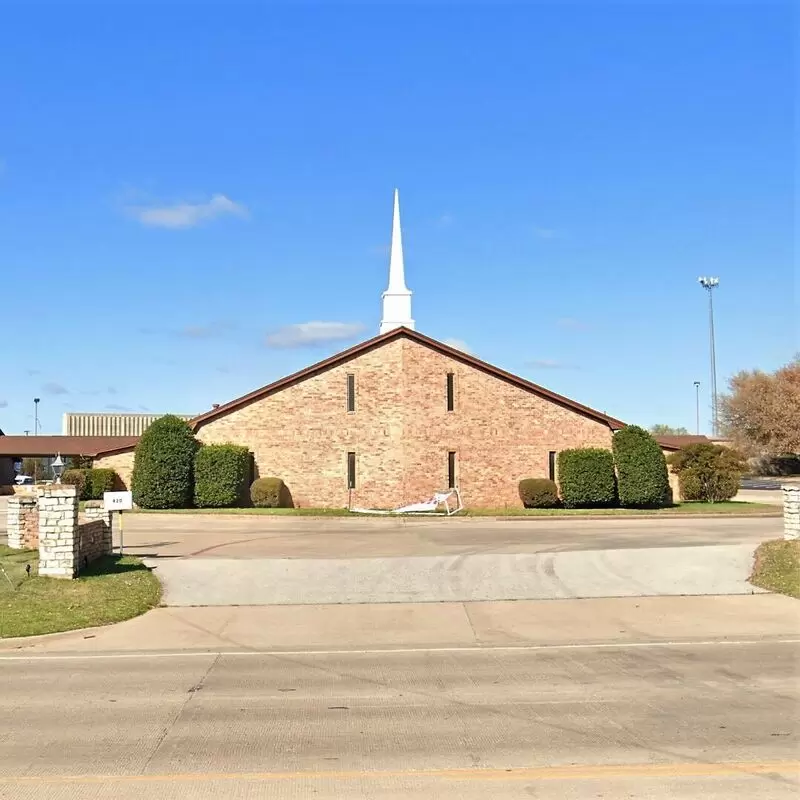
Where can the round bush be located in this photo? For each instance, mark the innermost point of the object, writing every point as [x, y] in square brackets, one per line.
[79, 479]
[538, 493]
[269, 493]
[642, 478]
[586, 478]
[221, 475]
[708, 472]
[100, 480]
[163, 465]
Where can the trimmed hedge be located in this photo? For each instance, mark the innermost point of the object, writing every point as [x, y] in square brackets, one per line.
[538, 493]
[641, 469]
[270, 493]
[586, 478]
[90, 483]
[163, 465]
[708, 472]
[78, 479]
[221, 475]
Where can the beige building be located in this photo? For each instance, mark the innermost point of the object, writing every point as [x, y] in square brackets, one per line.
[116, 424]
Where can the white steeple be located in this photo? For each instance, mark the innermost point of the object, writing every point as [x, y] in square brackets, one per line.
[397, 298]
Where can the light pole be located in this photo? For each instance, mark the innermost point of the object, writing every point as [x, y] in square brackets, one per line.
[709, 284]
[697, 404]
[36, 416]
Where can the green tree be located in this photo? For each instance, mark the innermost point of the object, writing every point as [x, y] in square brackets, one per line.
[708, 472]
[667, 430]
[641, 469]
[163, 465]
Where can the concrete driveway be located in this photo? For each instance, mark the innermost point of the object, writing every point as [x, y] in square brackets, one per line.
[242, 536]
[245, 560]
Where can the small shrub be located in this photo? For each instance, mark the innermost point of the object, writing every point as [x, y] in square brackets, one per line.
[538, 493]
[586, 478]
[100, 480]
[221, 475]
[163, 465]
[270, 493]
[76, 478]
[641, 469]
[708, 472]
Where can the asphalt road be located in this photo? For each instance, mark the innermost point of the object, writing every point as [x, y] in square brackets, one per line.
[657, 720]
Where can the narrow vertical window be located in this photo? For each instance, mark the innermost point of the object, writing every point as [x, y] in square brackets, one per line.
[450, 391]
[551, 465]
[351, 392]
[351, 470]
[451, 470]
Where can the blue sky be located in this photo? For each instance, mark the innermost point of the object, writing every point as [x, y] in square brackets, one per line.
[180, 183]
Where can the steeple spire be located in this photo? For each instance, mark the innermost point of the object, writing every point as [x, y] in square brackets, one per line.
[397, 298]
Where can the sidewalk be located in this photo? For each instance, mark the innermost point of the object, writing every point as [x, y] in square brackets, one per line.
[434, 625]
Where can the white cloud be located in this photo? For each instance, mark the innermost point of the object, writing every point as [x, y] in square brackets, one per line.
[458, 344]
[445, 220]
[187, 215]
[310, 334]
[51, 387]
[548, 363]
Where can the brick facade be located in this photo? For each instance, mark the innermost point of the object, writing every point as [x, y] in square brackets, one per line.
[401, 431]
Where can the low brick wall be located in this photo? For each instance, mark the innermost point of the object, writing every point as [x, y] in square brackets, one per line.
[22, 522]
[93, 535]
[791, 512]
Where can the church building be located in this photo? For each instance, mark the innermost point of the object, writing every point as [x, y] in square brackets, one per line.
[398, 417]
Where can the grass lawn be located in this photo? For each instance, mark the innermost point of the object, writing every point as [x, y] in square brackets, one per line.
[110, 590]
[777, 567]
[730, 507]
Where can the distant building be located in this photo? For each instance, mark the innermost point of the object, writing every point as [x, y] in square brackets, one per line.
[88, 424]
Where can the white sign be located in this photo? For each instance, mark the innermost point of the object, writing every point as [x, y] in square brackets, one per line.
[117, 501]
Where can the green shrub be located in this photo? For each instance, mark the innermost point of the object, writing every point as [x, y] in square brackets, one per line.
[100, 480]
[78, 479]
[90, 483]
[586, 478]
[163, 465]
[641, 469]
[538, 493]
[270, 493]
[221, 475]
[708, 472]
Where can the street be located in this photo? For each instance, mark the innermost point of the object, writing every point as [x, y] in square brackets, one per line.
[716, 719]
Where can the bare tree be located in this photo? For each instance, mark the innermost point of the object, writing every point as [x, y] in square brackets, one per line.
[761, 412]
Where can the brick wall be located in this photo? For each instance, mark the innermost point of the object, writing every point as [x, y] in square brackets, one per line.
[402, 432]
[22, 522]
[121, 463]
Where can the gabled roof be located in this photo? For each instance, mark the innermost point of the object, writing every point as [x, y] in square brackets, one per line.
[677, 441]
[397, 333]
[24, 446]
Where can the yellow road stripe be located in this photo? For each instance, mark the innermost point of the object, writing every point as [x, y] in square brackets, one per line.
[566, 773]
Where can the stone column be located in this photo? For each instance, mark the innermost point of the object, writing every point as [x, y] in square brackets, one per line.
[58, 523]
[791, 512]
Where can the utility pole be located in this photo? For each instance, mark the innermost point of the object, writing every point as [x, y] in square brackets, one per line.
[709, 284]
[36, 416]
[697, 405]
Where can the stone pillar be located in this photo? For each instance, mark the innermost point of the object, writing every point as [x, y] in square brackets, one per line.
[58, 523]
[22, 522]
[791, 512]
